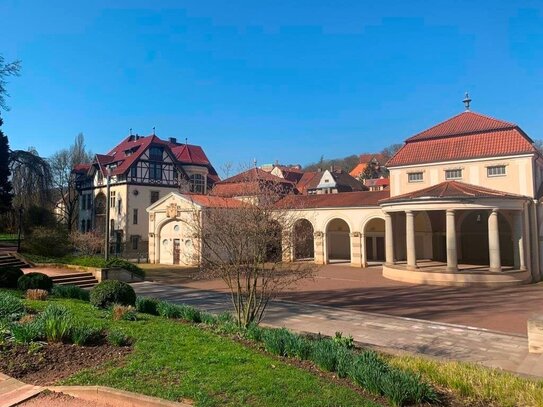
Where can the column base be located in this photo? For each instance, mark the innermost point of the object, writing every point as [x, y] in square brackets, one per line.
[390, 264]
[412, 268]
[495, 269]
[451, 269]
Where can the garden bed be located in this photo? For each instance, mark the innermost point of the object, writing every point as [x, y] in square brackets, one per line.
[46, 364]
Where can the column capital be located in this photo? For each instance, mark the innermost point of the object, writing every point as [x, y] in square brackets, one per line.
[354, 234]
[450, 211]
[409, 213]
[495, 210]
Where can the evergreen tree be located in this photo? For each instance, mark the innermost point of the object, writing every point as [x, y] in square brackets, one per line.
[5, 184]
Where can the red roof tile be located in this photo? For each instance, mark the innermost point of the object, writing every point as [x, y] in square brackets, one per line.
[451, 190]
[340, 200]
[249, 183]
[215, 201]
[467, 135]
[308, 181]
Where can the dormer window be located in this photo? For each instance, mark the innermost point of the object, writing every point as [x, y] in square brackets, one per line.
[156, 153]
[453, 174]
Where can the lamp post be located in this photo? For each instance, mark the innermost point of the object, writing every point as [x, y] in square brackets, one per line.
[108, 176]
[20, 230]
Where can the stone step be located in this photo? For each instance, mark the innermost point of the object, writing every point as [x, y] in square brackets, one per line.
[19, 395]
[70, 277]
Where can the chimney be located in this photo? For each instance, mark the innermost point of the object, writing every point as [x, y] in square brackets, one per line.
[173, 140]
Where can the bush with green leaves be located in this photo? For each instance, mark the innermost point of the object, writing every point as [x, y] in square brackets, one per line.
[56, 323]
[325, 354]
[11, 307]
[191, 314]
[401, 388]
[275, 341]
[345, 360]
[111, 292]
[70, 291]
[147, 305]
[345, 341]
[84, 335]
[32, 281]
[168, 310]
[26, 332]
[118, 338]
[208, 318]
[9, 277]
[254, 333]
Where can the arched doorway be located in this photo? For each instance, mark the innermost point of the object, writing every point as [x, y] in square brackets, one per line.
[176, 244]
[374, 232]
[274, 248]
[474, 239]
[304, 248]
[338, 240]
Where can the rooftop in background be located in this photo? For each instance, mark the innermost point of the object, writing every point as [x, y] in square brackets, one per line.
[464, 136]
[250, 182]
[343, 200]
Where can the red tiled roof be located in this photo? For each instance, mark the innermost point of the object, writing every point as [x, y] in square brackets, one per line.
[463, 123]
[359, 169]
[366, 158]
[215, 201]
[250, 182]
[451, 190]
[467, 135]
[81, 168]
[254, 174]
[340, 200]
[308, 181]
[377, 182]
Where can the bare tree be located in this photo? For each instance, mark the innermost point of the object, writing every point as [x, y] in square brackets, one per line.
[64, 181]
[248, 244]
[7, 69]
[31, 178]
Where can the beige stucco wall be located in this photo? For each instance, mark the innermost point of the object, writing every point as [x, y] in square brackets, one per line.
[519, 178]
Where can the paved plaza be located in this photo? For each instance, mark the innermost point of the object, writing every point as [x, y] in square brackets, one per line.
[505, 309]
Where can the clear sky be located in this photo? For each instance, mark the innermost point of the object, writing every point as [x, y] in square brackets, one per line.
[271, 80]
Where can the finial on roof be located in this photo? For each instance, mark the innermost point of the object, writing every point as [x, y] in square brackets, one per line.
[186, 141]
[130, 130]
[154, 131]
[467, 101]
[254, 162]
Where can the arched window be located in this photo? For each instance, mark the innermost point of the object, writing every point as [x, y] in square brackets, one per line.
[197, 183]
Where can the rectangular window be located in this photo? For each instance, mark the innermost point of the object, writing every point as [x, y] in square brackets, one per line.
[83, 225]
[119, 206]
[154, 196]
[414, 177]
[453, 174]
[495, 171]
[155, 153]
[135, 217]
[155, 171]
[112, 199]
[134, 171]
[83, 202]
[134, 240]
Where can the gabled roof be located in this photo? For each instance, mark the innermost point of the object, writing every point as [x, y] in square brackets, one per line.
[250, 182]
[452, 190]
[204, 201]
[309, 180]
[345, 182]
[367, 157]
[377, 182]
[254, 174]
[343, 200]
[465, 136]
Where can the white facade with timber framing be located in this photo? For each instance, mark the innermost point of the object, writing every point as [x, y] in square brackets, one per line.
[142, 170]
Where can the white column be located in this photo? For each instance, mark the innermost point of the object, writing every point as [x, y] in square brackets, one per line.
[356, 249]
[410, 240]
[452, 256]
[494, 241]
[389, 239]
[364, 255]
[518, 241]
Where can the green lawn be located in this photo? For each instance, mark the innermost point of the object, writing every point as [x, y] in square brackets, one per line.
[7, 236]
[173, 360]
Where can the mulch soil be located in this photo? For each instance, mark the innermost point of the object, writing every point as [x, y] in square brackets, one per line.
[49, 363]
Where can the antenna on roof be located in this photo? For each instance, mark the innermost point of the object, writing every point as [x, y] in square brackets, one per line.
[154, 131]
[254, 162]
[467, 101]
[130, 130]
[186, 140]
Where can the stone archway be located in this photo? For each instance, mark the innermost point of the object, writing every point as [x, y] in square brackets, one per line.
[374, 235]
[338, 240]
[303, 236]
[174, 243]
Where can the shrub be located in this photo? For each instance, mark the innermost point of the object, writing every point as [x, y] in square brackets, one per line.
[111, 292]
[275, 341]
[87, 243]
[325, 354]
[9, 277]
[191, 314]
[70, 291]
[209, 319]
[303, 348]
[11, 307]
[368, 371]
[345, 359]
[56, 323]
[45, 241]
[26, 332]
[35, 281]
[147, 305]
[168, 310]
[123, 313]
[254, 333]
[83, 335]
[118, 338]
[36, 294]
[345, 341]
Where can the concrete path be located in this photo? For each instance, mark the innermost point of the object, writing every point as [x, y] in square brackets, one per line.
[434, 339]
[13, 392]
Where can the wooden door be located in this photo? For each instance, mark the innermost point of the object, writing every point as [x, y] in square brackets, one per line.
[176, 251]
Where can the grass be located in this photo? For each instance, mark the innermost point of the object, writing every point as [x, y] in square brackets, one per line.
[173, 360]
[8, 236]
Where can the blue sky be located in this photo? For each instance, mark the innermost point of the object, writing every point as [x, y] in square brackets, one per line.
[271, 80]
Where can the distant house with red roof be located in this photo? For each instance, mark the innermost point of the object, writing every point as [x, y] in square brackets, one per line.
[141, 171]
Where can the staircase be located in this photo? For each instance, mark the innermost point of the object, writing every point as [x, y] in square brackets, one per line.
[10, 260]
[82, 280]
